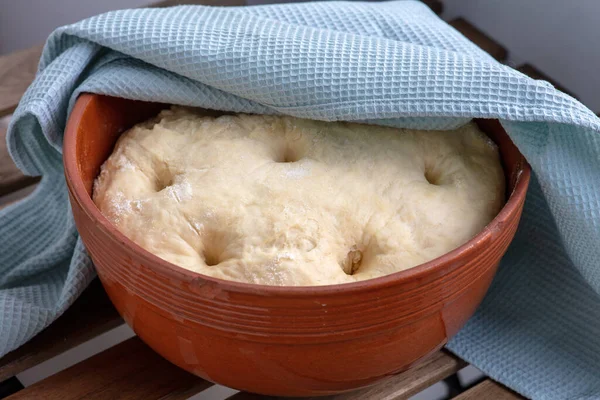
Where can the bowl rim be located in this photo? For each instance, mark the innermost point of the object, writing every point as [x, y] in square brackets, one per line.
[79, 194]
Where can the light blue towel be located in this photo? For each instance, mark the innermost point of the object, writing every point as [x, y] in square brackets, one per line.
[395, 63]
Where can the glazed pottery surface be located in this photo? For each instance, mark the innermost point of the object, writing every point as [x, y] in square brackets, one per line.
[294, 341]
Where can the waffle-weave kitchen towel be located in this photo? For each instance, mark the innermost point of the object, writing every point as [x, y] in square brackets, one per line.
[394, 63]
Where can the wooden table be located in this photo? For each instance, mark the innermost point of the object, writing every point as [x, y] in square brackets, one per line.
[131, 370]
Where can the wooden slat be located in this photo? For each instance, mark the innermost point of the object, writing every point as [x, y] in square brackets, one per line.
[435, 5]
[489, 390]
[91, 315]
[11, 179]
[535, 73]
[439, 366]
[14, 197]
[482, 40]
[17, 71]
[128, 371]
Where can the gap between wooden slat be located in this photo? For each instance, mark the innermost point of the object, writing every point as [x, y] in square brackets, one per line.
[128, 371]
[9, 387]
[437, 367]
[75, 355]
[482, 40]
[489, 390]
[91, 315]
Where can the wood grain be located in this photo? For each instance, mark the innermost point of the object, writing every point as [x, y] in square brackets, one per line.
[17, 71]
[535, 73]
[482, 40]
[129, 370]
[489, 390]
[91, 315]
[14, 197]
[439, 366]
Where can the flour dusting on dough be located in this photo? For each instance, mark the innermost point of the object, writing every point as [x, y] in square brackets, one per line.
[283, 201]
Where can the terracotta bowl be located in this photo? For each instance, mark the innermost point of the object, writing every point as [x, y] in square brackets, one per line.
[294, 341]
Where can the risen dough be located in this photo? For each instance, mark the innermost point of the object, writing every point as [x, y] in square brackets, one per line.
[285, 201]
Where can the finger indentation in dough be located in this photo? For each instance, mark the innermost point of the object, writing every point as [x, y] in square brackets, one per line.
[289, 154]
[215, 243]
[163, 178]
[432, 176]
[353, 260]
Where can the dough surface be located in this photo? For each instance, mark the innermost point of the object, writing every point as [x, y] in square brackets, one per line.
[284, 201]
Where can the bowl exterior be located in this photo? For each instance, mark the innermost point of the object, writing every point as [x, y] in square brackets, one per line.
[279, 341]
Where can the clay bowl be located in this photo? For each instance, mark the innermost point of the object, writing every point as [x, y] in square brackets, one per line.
[294, 341]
